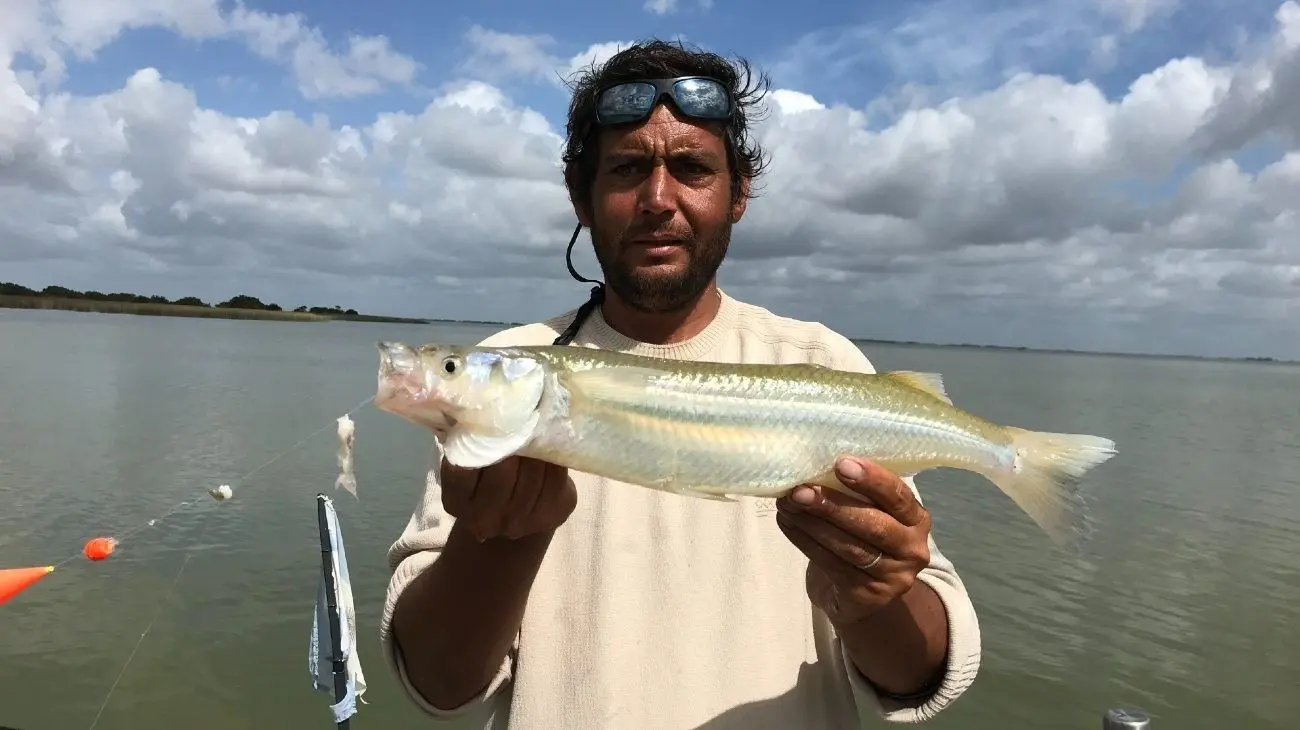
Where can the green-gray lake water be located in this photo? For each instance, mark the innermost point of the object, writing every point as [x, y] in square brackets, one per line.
[1186, 602]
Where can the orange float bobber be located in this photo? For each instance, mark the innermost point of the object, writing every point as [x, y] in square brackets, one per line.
[99, 548]
[16, 580]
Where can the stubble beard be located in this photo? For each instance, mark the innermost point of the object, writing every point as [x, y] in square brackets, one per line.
[657, 293]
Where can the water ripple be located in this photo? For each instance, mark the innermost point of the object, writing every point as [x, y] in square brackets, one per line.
[1185, 601]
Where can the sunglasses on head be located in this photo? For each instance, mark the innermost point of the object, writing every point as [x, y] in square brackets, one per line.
[699, 97]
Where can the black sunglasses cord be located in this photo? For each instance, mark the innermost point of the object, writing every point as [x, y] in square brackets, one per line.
[589, 306]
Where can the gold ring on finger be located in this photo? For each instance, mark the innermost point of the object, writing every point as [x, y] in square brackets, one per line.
[871, 563]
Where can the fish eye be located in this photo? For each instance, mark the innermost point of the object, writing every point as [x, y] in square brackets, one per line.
[451, 365]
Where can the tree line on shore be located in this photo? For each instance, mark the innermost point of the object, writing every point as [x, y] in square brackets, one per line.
[241, 301]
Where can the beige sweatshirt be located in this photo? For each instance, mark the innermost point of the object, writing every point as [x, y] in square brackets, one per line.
[653, 611]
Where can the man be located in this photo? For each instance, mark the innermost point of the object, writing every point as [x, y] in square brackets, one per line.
[543, 599]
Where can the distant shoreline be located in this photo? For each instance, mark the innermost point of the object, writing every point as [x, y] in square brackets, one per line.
[159, 309]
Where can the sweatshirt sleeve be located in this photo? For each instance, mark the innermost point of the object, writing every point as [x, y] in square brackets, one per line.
[417, 548]
[420, 545]
[963, 625]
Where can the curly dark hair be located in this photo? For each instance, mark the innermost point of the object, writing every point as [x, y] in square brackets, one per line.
[658, 59]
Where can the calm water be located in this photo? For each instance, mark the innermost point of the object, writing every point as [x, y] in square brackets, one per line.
[1186, 602]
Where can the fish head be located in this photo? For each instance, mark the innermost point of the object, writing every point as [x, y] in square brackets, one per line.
[446, 387]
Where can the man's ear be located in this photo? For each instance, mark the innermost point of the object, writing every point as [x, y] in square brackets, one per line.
[581, 206]
[741, 203]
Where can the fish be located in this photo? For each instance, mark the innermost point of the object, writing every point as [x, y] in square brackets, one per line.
[721, 431]
[347, 478]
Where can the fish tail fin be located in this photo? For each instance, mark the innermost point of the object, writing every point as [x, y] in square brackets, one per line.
[1043, 476]
[347, 481]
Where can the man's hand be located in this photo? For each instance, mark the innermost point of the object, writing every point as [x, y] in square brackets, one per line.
[513, 498]
[861, 555]
[453, 649]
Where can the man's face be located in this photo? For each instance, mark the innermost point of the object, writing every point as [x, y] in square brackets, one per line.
[661, 210]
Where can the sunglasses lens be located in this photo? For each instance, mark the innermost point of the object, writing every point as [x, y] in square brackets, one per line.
[625, 102]
[702, 98]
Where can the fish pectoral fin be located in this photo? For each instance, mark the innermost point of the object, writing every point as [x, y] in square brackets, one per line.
[620, 384]
[470, 449]
[828, 480]
[712, 496]
[929, 383]
[699, 492]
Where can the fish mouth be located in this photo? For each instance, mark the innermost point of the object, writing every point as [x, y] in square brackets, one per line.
[403, 391]
[401, 381]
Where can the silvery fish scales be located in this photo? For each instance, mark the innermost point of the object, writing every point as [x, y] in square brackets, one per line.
[717, 430]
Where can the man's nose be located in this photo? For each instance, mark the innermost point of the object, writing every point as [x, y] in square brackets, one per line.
[656, 194]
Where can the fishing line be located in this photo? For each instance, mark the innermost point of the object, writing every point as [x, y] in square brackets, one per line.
[189, 554]
[238, 480]
[130, 657]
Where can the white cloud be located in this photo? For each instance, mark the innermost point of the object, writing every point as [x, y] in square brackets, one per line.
[1033, 211]
[495, 55]
[47, 30]
[955, 47]
[1136, 13]
[368, 66]
[664, 7]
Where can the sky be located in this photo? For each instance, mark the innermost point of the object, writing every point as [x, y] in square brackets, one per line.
[1119, 175]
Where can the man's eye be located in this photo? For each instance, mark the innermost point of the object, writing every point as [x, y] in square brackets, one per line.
[688, 168]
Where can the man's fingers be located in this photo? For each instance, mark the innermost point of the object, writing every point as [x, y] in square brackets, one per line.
[487, 508]
[457, 487]
[861, 521]
[867, 524]
[529, 490]
[848, 549]
[829, 562]
[844, 576]
[557, 496]
[890, 493]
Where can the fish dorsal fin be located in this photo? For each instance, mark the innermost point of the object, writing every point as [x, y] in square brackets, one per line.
[615, 384]
[474, 449]
[930, 383]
